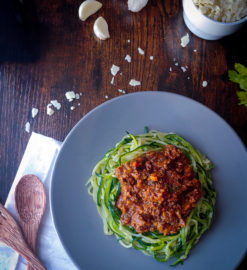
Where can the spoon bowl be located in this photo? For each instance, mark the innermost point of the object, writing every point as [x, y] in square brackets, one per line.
[30, 203]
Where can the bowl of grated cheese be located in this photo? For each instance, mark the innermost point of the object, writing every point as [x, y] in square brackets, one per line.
[214, 19]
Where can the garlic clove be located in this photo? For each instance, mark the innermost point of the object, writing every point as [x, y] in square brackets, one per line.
[88, 8]
[136, 5]
[100, 28]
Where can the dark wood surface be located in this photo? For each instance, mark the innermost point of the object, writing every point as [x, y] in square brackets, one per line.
[55, 52]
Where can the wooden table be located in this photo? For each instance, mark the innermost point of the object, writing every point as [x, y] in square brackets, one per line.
[60, 53]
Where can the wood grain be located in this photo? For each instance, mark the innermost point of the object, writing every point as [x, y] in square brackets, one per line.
[67, 56]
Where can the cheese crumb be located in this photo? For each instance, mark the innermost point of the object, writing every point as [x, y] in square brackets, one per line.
[151, 58]
[176, 64]
[121, 91]
[183, 69]
[77, 96]
[114, 70]
[195, 50]
[56, 104]
[128, 41]
[106, 97]
[204, 83]
[128, 58]
[140, 51]
[27, 127]
[185, 40]
[34, 112]
[80, 94]
[170, 69]
[70, 95]
[49, 110]
[72, 108]
[112, 80]
[133, 82]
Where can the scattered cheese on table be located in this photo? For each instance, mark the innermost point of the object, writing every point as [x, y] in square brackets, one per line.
[72, 108]
[77, 96]
[106, 97]
[185, 40]
[70, 95]
[134, 82]
[128, 41]
[112, 80]
[170, 69]
[151, 58]
[183, 69]
[56, 104]
[204, 83]
[140, 51]
[121, 91]
[34, 112]
[176, 64]
[128, 58]
[49, 110]
[27, 127]
[114, 70]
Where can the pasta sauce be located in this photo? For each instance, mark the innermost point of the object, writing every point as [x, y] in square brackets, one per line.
[158, 191]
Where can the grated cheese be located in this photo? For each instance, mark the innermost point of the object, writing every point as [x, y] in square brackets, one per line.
[128, 58]
[27, 127]
[185, 40]
[134, 82]
[114, 70]
[223, 10]
[56, 104]
[34, 112]
[140, 50]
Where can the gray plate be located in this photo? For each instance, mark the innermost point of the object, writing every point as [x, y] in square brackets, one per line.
[76, 219]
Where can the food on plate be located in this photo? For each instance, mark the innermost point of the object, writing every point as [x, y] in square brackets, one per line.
[154, 191]
[223, 10]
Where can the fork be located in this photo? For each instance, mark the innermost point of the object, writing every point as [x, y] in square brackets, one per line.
[11, 235]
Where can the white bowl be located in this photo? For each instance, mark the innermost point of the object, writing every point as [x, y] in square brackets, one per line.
[205, 27]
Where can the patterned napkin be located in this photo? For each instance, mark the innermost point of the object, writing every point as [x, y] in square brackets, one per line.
[38, 159]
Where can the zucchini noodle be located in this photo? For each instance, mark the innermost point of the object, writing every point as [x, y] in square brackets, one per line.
[105, 188]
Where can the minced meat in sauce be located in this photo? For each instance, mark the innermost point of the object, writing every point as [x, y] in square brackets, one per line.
[158, 191]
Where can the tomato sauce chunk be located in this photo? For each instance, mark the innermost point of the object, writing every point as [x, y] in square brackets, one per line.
[158, 191]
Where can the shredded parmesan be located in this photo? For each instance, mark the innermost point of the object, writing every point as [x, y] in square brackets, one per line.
[114, 70]
[134, 82]
[34, 112]
[223, 10]
[27, 127]
[185, 40]
[140, 50]
[128, 58]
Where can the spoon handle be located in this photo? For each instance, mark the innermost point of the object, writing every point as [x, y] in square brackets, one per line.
[30, 234]
[11, 235]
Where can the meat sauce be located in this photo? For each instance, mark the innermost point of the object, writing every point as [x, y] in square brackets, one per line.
[158, 191]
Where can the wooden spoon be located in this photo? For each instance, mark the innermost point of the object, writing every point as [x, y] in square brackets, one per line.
[11, 235]
[30, 202]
